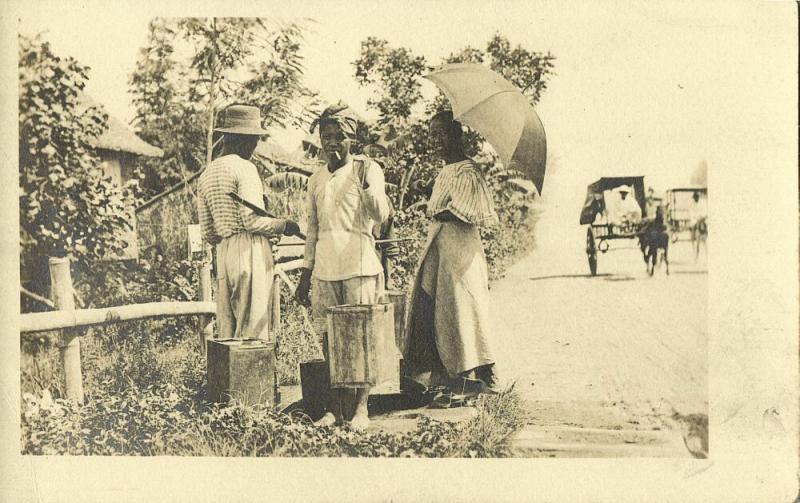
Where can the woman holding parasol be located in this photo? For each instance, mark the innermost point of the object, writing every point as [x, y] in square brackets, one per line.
[448, 327]
[449, 333]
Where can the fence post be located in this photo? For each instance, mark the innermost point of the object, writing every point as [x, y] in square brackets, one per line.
[205, 331]
[275, 329]
[70, 344]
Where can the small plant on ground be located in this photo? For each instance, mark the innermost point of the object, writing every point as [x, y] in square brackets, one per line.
[145, 398]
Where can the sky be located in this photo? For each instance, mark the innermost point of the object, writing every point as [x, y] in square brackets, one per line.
[640, 88]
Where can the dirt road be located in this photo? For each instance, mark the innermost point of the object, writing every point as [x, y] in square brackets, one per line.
[617, 351]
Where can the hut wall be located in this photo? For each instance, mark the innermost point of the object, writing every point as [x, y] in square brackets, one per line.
[117, 166]
[111, 163]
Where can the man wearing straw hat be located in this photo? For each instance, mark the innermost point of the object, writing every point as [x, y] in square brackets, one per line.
[345, 202]
[244, 254]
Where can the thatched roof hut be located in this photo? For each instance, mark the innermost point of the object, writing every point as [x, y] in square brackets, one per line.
[118, 137]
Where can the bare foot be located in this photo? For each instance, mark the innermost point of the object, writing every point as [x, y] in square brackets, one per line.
[360, 421]
[327, 420]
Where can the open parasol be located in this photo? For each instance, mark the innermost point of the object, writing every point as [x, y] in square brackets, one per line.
[489, 104]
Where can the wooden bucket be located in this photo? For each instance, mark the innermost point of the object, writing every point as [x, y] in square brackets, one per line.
[361, 347]
[398, 300]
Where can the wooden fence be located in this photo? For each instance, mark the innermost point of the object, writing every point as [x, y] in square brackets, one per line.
[68, 320]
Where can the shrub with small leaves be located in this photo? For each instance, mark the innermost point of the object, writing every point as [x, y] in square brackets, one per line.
[67, 207]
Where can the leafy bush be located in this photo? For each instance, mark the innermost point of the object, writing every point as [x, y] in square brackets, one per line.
[40, 368]
[296, 343]
[409, 223]
[67, 206]
[146, 398]
[160, 420]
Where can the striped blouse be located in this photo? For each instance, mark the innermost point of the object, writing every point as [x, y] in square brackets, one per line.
[461, 189]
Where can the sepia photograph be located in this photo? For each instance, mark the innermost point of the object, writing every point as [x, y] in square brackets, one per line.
[384, 230]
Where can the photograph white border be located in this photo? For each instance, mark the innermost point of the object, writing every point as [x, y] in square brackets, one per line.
[752, 317]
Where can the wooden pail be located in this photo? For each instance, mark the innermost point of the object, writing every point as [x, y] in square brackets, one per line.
[361, 348]
[398, 300]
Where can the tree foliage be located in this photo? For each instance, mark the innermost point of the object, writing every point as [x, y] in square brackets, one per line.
[191, 68]
[165, 116]
[528, 70]
[67, 207]
[393, 75]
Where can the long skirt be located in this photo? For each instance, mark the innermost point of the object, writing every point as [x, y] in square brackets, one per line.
[448, 320]
[244, 275]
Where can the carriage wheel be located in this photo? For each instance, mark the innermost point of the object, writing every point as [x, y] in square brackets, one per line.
[591, 251]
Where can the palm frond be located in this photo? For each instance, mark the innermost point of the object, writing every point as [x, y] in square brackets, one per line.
[286, 180]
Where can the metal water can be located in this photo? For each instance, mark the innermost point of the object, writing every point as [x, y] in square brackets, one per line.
[242, 370]
[362, 348]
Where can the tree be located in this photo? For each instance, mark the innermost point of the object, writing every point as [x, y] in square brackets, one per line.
[67, 208]
[165, 116]
[393, 75]
[227, 60]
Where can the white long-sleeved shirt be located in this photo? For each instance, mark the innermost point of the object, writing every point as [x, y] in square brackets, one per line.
[220, 216]
[341, 217]
[697, 210]
[621, 210]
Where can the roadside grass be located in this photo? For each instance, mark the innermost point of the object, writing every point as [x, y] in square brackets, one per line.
[144, 383]
[144, 399]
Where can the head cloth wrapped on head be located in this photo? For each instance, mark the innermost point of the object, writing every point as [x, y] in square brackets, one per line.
[342, 115]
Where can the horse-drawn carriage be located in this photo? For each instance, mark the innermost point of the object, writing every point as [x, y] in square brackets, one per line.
[687, 213]
[679, 209]
[603, 226]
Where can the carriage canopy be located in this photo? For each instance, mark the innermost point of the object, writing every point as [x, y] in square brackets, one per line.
[591, 209]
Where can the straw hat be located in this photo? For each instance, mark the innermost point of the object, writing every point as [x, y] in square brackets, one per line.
[242, 119]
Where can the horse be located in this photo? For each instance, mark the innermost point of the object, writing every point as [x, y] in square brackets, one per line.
[655, 245]
[652, 240]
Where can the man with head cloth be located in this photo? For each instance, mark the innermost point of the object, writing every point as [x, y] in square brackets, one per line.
[346, 200]
[244, 254]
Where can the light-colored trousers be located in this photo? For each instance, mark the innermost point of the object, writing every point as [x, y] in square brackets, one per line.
[244, 275]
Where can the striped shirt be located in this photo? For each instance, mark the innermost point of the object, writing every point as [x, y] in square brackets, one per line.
[461, 189]
[222, 217]
[341, 217]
